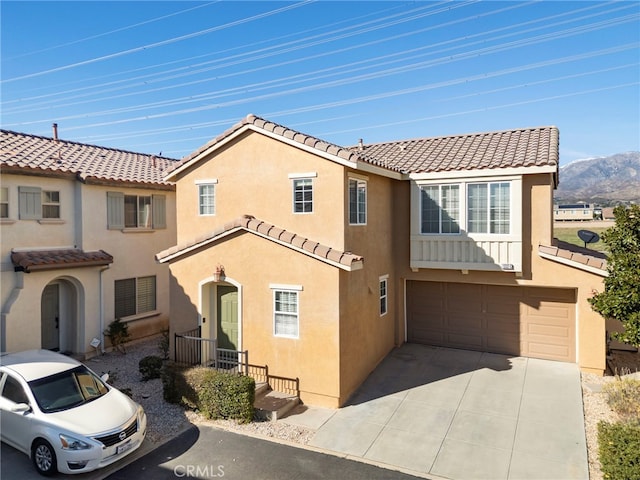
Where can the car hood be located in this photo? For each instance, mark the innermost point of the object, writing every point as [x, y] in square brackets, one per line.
[101, 415]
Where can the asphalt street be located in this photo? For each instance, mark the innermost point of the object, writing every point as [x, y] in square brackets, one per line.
[206, 453]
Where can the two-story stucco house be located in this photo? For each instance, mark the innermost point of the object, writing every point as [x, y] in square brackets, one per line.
[80, 227]
[318, 259]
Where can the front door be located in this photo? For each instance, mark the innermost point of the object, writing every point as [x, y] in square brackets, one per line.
[227, 331]
[50, 317]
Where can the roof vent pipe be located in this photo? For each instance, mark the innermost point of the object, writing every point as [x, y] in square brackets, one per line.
[360, 145]
[55, 131]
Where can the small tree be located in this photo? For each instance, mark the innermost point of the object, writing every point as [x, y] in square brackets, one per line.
[620, 299]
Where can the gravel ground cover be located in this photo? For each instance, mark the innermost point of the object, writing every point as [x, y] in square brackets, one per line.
[165, 420]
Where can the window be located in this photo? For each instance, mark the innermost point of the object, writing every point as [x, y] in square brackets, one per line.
[357, 202]
[285, 313]
[36, 204]
[440, 208]
[134, 296]
[303, 195]
[4, 202]
[13, 391]
[135, 211]
[50, 204]
[383, 294]
[488, 208]
[206, 199]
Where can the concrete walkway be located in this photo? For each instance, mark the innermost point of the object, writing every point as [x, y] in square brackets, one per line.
[460, 414]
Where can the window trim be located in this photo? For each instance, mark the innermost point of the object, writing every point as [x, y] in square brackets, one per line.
[460, 218]
[384, 279]
[4, 200]
[358, 181]
[135, 297]
[278, 288]
[211, 182]
[515, 202]
[302, 202]
[116, 212]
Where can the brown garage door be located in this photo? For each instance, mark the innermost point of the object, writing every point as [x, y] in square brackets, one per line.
[529, 321]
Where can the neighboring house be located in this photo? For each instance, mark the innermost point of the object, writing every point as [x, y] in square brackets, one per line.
[80, 226]
[574, 212]
[318, 259]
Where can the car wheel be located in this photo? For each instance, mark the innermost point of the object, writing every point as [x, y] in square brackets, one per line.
[44, 458]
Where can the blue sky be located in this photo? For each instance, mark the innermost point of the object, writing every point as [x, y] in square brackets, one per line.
[168, 76]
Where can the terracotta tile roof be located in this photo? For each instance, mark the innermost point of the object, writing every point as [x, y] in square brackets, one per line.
[580, 257]
[271, 127]
[346, 260]
[493, 150]
[33, 260]
[20, 151]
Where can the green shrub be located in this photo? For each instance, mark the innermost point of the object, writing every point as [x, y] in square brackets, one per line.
[174, 385]
[623, 396]
[227, 395]
[619, 450]
[150, 367]
[215, 394]
[118, 333]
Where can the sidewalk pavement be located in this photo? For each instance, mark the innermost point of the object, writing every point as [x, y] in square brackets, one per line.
[458, 414]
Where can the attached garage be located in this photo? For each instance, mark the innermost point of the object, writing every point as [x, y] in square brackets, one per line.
[527, 321]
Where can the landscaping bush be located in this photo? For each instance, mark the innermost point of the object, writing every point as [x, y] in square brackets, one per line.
[619, 450]
[150, 367]
[118, 334]
[623, 396]
[215, 394]
[174, 384]
[227, 395]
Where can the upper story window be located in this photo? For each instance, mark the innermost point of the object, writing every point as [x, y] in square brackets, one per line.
[37, 204]
[357, 201]
[206, 199]
[135, 211]
[50, 204]
[440, 208]
[488, 207]
[303, 195]
[4, 202]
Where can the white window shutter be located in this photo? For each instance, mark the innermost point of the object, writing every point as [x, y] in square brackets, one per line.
[115, 210]
[159, 211]
[30, 203]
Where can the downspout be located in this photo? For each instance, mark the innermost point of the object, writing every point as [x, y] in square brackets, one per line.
[102, 270]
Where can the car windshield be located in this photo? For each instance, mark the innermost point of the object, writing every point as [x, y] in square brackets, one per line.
[67, 389]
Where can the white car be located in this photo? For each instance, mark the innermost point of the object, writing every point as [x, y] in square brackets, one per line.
[63, 415]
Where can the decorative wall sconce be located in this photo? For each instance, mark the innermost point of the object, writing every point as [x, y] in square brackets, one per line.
[218, 273]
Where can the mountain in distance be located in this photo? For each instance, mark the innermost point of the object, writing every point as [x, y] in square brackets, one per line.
[603, 180]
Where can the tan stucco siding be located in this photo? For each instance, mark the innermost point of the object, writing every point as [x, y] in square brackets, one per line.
[252, 175]
[255, 265]
[366, 337]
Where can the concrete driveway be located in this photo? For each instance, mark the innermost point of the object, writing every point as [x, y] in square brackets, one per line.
[465, 415]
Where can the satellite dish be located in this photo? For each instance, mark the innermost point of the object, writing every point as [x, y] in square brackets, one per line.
[587, 236]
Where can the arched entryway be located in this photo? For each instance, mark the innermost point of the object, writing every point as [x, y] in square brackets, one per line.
[59, 313]
[220, 310]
